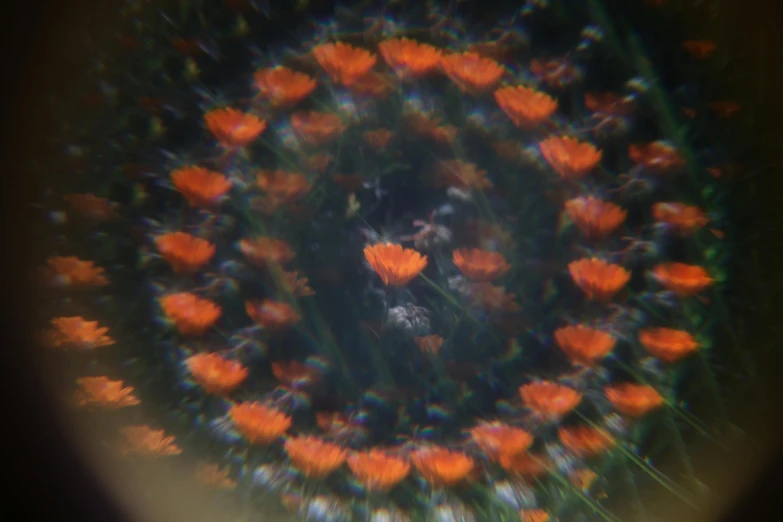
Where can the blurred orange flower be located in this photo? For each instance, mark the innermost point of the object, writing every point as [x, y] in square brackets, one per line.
[584, 345]
[492, 298]
[609, 103]
[317, 128]
[374, 85]
[377, 470]
[93, 207]
[233, 128]
[395, 265]
[73, 272]
[199, 186]
[263, 251]
[78, 334]
[658, 156]
[442, 467]
[409, 58]
[569, 157]
[549, 400]
[211, 475]
[525, 106]
[144, 441]
[460, 174]
[292, 374]
[596, 218]
[296, 285]
[497, 438]
[272, 315]
[313, 456]
[191, 314]
[282, 86]
[378, 139]
[429, 344]
[480, 265]
[668, 344]
[184, 252]
[683, 219]
[344, 63]
[533, 515]
[472, 72]
[585, 441]
[681, 278]
[634, 400]
[102, 391]
[217, 375]
[523, 464]
[597, 278]
[259, 424]
[428, 126]
[281, 186]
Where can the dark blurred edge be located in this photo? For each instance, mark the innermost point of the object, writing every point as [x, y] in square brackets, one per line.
[45, 479]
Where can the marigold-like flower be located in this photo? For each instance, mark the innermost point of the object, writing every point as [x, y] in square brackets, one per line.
[409, 58]
[378, 139]
[211, 475]
[144, 441]
[103, 392]
[533, 515]
[480, 265]
[657, 156]
[373, 85]
[313, 456]
[185, 253]
[429, 344]
[523, 464]
[472, 72]
[296, 285]
[272, 315]
[492, 298]
[557, 73]
[597, 278]
[428, 126]
[442, 467]
[294, 374]
[215, 374]
[585, 441]
[234, 128]
[282, 86]
[634, 400]
[78, 334]
[191, 314]
[569, 157]
[377, 470]
[344, 63]
[549, 400]
[596, 218]
[681, 218]
[200, 187]
[584, 345]
[681, 278]
[668, 344]
[93, 207]
[497, 438]
[317, 128]
[525, 106]
[263, 251]
[699, 49]
[259, 424]
[282, 187]
[395, 265]
[73, 272]
[460, 174]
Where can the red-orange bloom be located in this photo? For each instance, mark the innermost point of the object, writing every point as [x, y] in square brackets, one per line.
[73, 272]
[217, 375]
[77, 334]
[191, 314]
[93, 207]
[293, 374]
[212, 475]
[480, 265]
[259, 424]
[442, 467]
[234, 128]
[409, 58]
[556, 73]
[296, 285]
[395, 265]
[497, 438]
[597, 278]
[683, 219]
[377, 470]
[525, 106]
[681, 278]
[378, 139]
[609, 103]
[374, 85]
[429, 344]
[103, 392]
[313, 456]
[184, 252]
[493, 298]
[282, 187]
[533, 515]
[472, 72]
[634, 400]
[658, 156]
[272, 315]
[584, 345]
[569, 157]
[460, 174]
[263, 251]
[523, 464]
[584, 440]
[317, 128]
[549, 400]
[668, 344]
[699, 49]
[199, 186]
[428, 126]
[596, 218]
[343, 62]
[144, 441]
[282, 86]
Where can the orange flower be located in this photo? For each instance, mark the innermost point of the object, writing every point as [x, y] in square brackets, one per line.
[700, 49]
[597, 278]
[272, 315]
[282, 186]
[93, 207]
[442, 467]
[259, 424]
[263, 251]
[460, 174]
[344, 63]
[374, 85]
[395, 265]
[73, 272]
[557, 73]
[472, 72]
[378, 139]
[143, 440]
[594, 217]
[378, 471]
[480, 265]
[184, 252]
[668, 344]
[103, 392]
[683, 219]
[609, 103]
[523, 464]
[212, 475]
[234, 128]
[293, 374]
[584, 440]
[317, 128]
[429, 344]
[492, 298]
[282, 86]
[569, 157]
[584, 345]
[658, 156]
[497, 438]
[218, 376]
[681, 278]
[409, 58]
[296, 285]
[191, 314]
[549, 400]
[199, 186]
[77, 334]
[634, 400]
[428, 126]
[525, 106]
[533, 515]
[313, 456]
